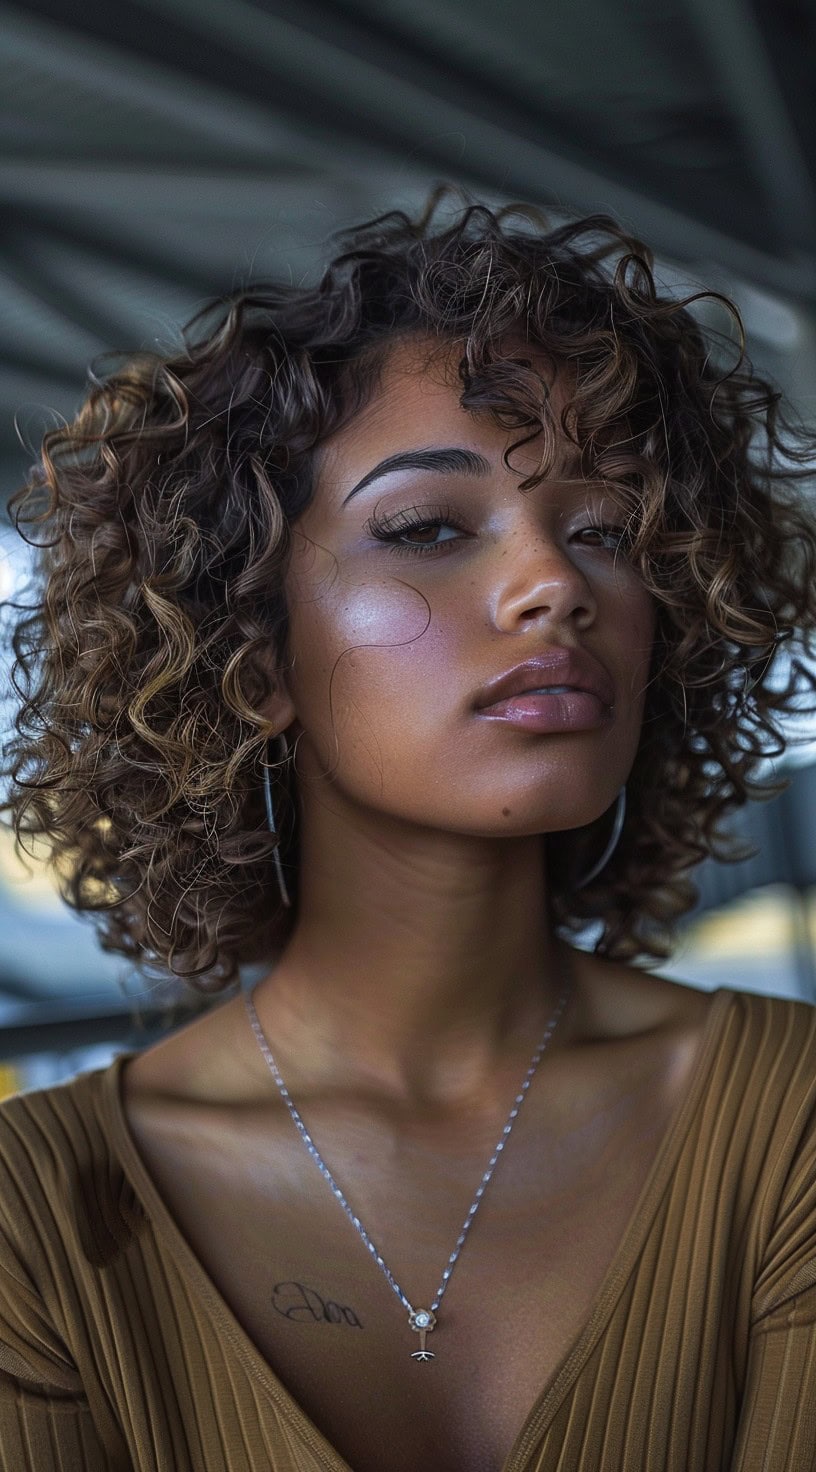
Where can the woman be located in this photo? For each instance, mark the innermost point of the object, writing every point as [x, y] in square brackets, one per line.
[392, 633]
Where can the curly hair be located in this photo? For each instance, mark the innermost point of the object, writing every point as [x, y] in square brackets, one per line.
[160, 625]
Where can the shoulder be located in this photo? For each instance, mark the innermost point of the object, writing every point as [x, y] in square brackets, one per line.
[623, 1000]
[754, 1121]
[63, 1194]
[47, 1138]
[616, 1001]
[36, 1249]
[38, 1126]
[756, 1049]
[774, 1040]
[211, 1060]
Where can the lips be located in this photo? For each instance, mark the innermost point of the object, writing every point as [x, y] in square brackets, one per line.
[554, 666]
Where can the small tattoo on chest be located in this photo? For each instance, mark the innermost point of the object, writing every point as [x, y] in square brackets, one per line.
[303, 1305]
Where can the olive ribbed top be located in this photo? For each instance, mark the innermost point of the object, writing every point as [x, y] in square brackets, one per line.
[699, 1355]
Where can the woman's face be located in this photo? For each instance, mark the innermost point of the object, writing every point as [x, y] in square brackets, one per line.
[394, 640]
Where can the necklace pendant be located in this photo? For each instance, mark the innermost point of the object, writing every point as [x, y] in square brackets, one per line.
[422, 1321]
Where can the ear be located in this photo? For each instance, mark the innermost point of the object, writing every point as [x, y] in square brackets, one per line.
[279, 708]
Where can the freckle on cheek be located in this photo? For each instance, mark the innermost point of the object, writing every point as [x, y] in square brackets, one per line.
[505, 812]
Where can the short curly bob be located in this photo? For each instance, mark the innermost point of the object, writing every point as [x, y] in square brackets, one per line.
[167, 503]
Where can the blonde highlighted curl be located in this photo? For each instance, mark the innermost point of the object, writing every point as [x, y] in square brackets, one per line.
[166, 508]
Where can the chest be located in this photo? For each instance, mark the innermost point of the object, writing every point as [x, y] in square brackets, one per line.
[293, 1271]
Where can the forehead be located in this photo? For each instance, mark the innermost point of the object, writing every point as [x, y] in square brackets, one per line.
[416, 402]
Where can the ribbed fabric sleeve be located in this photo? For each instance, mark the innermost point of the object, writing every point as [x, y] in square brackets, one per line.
[117, 1353]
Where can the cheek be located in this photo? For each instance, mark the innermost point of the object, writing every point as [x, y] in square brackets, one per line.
[627, 617]
[639, 664]
[364, 649]
[624, 605]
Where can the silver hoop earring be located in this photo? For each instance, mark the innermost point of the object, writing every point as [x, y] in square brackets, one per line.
[613, 839]
[270, 818]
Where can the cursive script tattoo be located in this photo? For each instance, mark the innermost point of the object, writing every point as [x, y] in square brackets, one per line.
[302, 1304]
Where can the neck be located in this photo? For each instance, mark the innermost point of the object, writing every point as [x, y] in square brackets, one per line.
[421, 964]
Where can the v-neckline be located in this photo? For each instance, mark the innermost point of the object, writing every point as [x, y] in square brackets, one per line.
[549, 1398]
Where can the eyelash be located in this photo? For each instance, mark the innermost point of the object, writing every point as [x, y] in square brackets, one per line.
[391, 528]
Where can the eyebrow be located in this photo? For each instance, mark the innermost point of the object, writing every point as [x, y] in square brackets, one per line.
[449, 460]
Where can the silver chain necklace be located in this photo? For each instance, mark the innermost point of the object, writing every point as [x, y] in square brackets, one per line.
[422, 1320]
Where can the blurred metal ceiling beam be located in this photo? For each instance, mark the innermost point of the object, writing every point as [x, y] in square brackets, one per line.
[131, 188]
[30, 375]
[96, 238]
[41, 1029]
[119, 74]
[482, 152]
[46, 286]
[734, 39]
[424, 133]
[41, 392]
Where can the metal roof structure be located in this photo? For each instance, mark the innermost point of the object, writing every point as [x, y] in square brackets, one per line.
[157, 154]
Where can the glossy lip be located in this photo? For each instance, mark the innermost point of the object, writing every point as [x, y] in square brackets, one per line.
[550, 715]
[555, 666]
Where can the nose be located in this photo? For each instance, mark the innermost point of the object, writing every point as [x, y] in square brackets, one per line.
[538, 581]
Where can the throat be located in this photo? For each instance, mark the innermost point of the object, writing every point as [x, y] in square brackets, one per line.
[462, 1060]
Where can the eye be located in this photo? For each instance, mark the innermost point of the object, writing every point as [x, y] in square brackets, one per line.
[612, 534]
[423, 522]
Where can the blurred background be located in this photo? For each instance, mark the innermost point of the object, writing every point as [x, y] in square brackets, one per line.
[159, 153]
